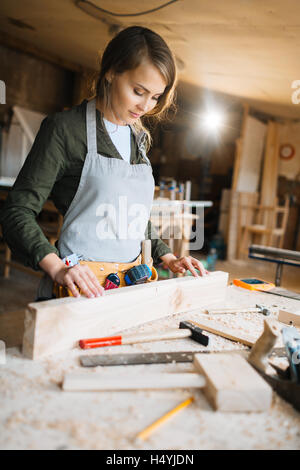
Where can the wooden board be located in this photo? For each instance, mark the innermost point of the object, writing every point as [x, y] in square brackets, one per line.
[270, 174]
[251, 155]
[270, 166]
[228, 333]
[232, 384]
[239, 145]
[57, 325]
[224, 213]
[101, 382]
[232, 227]
[288, 317]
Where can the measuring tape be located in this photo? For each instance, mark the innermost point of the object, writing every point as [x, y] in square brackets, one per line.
[253, 284]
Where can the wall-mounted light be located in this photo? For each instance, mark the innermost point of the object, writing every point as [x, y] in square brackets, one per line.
[212, 120]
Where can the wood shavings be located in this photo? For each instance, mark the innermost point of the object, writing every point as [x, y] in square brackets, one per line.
[36, 414]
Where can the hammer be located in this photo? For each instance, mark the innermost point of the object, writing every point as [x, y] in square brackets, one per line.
[257, 309]
[186, 330]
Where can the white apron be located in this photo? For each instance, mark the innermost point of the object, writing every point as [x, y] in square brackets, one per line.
[108, 216]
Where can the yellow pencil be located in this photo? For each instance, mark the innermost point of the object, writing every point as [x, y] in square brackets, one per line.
[147, 431]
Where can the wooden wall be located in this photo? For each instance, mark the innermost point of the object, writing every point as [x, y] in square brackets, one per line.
[34, 83]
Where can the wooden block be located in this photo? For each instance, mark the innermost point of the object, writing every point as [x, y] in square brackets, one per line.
[156, 381]
[288, 317]
[225, 332]
[57, 325]
[232, 384]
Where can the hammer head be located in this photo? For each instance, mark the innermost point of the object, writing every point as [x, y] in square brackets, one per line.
[263, 309]
[197, 334]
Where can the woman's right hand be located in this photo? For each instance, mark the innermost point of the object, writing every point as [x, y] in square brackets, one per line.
[81, 277]
[77, 277]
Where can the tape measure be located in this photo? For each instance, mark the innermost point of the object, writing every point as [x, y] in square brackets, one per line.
[138, 275]
[253, 284]
[112, 281]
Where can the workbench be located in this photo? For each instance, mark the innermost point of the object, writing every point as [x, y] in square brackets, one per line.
[36, 414]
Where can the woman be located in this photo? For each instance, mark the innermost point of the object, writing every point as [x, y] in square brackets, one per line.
[92, 161]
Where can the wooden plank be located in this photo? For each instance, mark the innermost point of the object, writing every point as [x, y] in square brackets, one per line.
[239, 146]
[58, 325]
[289, 317]
[224, 213]
[270, 166]
[228, 333]
[232, 225]
[155, 381]
[270, 174]
[232, 384]
[251, 155]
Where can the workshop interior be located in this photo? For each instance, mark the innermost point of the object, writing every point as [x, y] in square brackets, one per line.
[192, 340]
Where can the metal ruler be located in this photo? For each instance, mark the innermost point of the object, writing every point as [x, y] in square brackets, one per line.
[158, 358]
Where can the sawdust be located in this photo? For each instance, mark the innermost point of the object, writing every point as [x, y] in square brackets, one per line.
[36, 414]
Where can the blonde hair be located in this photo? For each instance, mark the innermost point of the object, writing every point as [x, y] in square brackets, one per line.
[125, 52]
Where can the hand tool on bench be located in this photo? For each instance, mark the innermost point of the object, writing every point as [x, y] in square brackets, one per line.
[257, 309]
[228, 382]
[276, 255]
[254, 284]
[186, 330]
[184, 356]
[280, 257]
[291, 339]
[286, 388]
[107, 360]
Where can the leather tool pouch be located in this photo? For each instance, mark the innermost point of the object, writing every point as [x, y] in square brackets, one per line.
[102, 270]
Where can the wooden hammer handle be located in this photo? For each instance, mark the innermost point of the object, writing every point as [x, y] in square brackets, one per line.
[146, 252]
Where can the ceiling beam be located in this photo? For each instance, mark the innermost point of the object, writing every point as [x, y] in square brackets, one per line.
[27, 48]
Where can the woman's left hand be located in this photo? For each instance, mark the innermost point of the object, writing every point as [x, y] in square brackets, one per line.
[180, 265]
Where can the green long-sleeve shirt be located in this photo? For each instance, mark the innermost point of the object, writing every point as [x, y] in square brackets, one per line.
[53, 169]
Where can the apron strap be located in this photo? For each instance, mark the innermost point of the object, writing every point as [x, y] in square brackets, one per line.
[91, 127]
[91, 132]
[140, 143]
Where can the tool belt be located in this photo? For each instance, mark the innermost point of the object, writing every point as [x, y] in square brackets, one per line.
[102, 270]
